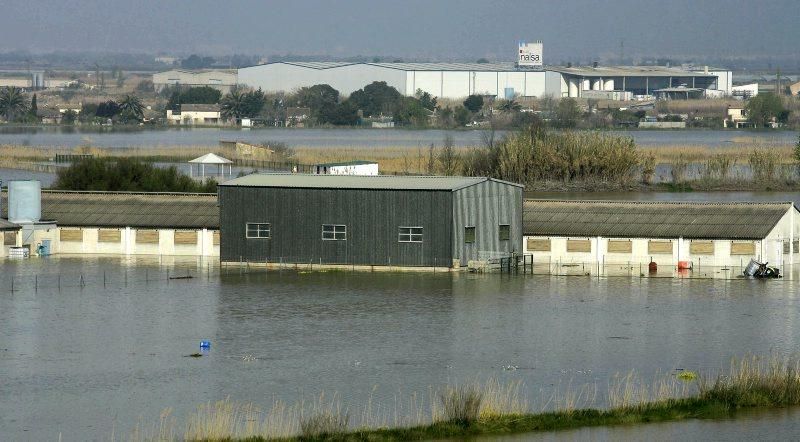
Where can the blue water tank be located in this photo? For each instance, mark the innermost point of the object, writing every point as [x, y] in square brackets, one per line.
[24, 201]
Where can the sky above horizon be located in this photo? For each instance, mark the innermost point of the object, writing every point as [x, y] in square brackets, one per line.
[418, 29]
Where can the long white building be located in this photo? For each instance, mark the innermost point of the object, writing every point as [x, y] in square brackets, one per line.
[458, 80]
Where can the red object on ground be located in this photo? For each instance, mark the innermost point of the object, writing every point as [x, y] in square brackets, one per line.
[652, 267]
[684, 265]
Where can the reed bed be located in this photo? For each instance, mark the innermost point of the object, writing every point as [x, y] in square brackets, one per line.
[492, 407]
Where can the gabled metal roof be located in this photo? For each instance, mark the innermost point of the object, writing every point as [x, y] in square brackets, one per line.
[378, 182]
[491, 67]
[629, 219]
[129, 209]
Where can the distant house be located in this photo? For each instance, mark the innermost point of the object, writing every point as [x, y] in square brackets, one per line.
[346, 168]
[221, 80]
[736, 117]
[296, 116]
[195, 114]
[49, 116]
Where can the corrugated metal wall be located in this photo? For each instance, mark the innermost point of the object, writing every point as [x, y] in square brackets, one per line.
[372, 218]
[486, 206]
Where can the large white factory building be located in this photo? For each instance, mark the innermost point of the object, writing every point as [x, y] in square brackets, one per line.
[458, 80]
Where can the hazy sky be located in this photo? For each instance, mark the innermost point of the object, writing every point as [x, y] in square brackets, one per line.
[426, 29]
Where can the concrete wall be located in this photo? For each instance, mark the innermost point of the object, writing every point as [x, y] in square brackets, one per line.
[720, 255]
[90, 242]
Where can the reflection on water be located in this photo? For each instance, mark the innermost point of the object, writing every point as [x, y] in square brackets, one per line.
[108, 346]
[760, 425]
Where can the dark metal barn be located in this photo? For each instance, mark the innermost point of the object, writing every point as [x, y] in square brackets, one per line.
[368, 220]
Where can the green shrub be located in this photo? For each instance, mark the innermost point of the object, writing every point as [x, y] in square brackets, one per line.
[126, 174]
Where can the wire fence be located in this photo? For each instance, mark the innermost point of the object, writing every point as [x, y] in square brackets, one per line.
[128, 276]
[525, 264]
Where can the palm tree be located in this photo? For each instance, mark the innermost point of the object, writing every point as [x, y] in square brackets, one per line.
[12, 102]
[233, 105]
[132, 106]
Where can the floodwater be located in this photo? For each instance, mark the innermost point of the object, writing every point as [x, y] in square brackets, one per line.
[91, 346]
[760, 425]
[344, 137]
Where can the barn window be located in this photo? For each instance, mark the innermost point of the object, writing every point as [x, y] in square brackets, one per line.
[258, 230]
[504, 232]
[334, 232]
[409, 234]
[469, 234]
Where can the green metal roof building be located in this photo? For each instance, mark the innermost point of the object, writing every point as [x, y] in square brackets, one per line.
[368, 220]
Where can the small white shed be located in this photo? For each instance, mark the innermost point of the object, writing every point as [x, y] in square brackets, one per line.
[346, 168]
[211, 160]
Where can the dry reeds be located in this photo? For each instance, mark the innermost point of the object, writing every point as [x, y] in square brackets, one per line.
[493, 407]
[461, 404]
[755, 381]
[764, 164]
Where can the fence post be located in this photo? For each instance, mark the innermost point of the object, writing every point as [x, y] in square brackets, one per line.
[35, 283]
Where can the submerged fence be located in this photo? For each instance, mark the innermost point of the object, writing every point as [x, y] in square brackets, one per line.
[525, 264]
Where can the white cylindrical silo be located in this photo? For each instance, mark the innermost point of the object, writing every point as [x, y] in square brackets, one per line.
[608, 85]
[586, 84]
[596, 84]
[24, 201]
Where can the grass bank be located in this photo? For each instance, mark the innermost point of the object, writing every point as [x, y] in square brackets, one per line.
[493, 408]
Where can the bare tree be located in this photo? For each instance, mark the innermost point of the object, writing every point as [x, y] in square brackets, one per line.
[448, 157]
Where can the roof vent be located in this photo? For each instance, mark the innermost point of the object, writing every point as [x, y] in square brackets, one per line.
[594, 65]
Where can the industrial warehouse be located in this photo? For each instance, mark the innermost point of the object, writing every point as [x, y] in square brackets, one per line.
[503, 80]
[369, 220]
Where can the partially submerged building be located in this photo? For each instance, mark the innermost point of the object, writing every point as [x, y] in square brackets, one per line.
[121, 223]
[710, 234]
[368, 220]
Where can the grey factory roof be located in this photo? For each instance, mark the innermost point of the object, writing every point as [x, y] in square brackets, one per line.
[6, 225]
[622, 71]
[449, 66]
[629, 219]
[129, 209]
[377, 182]
[491, 67]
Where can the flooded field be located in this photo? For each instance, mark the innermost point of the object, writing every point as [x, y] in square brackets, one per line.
[92, 346]
[338, 138]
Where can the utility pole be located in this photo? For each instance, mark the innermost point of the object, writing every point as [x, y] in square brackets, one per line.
[778, 82]
[621, 52]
